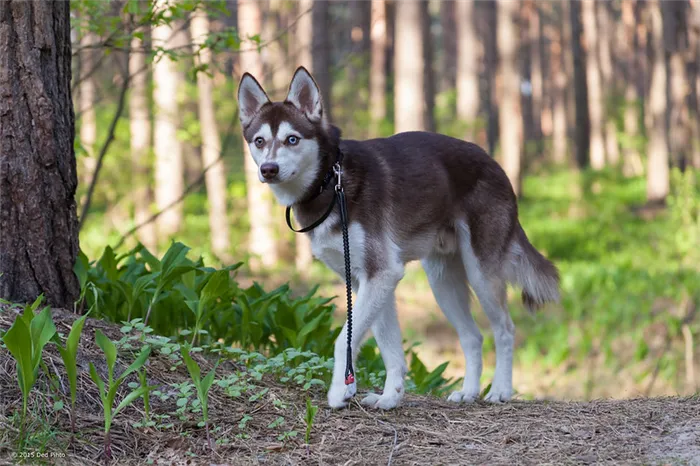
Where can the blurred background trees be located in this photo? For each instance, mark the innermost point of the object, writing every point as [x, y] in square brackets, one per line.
[590, 106]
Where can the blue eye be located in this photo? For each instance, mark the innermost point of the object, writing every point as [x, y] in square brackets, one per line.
[292, 140]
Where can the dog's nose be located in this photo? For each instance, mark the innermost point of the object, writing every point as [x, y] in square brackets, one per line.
[269, 170]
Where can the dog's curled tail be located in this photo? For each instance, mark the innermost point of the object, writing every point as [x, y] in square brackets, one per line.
[538, 277]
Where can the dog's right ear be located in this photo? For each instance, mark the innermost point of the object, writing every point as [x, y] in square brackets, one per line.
[251, 98]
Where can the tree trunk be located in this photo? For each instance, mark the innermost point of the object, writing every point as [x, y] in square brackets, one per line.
[631, 162]
[535, 52]
[321, 48]
[657, 170]
[428, 75]
[467, 66]
[38, 220]
[582, 124]
[86, 105]
[261, 239]
[559, 80]
[169, 161]
[409, 68]
[141, 143]
[596, 104]
[489, 18]
[303, 33]
[377, 76]
[215, 177]
[605, 32]
[676, 44]
[510, 121]
[448, 21]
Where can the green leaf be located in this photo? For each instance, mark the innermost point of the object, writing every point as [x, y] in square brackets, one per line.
[208, 380]
[98, 381]
[18, 341]
[128, 399]
[136, 365]
[108, 349]
[192, 366]
[42, 329]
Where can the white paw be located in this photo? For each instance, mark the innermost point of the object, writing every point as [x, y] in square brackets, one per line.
[340, 394]
[389, 401]
[498, 394]
[463, 396]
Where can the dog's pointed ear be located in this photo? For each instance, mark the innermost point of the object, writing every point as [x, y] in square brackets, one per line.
[305, 95]
[251, 97]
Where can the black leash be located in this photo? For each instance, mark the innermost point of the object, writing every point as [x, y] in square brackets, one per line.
[340, 198]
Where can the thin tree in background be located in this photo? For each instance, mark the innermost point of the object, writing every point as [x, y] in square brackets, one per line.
[141, 142]
[631, 161]
[261, 238]
[86, 103]
[448, 62]
[169, 164]
[321, 53]
[609, 80]
[596, 104]
[694, 39]
[676, 45]
[378, 59]
[658, 185]
[560, 82]
[38, 219]
[581, 123]
[215, 177]
[510, 119]
[410, 107]
[467, 77]
[534, 36]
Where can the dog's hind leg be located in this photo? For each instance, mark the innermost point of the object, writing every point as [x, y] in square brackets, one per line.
[387, 332]
[490, 288]
[375, 296]
[448, 280]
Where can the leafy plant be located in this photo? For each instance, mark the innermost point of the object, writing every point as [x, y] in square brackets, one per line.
[109, 392]
[202, 385]
[309, 418]
[69, 354]
[25, 340]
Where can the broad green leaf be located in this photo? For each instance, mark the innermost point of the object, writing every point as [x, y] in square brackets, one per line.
[192, 366]
[208, 380]
[81, 267]
[108, 262]
[18, 342]
[108, 349]
[42, 329]
[128, 399]
[136, 365]
[98, 381]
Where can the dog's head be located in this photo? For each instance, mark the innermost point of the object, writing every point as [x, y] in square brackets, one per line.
[288, 140]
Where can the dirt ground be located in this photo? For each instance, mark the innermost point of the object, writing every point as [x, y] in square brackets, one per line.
[422, 431]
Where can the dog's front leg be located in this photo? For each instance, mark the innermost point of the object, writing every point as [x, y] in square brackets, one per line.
[375, 296]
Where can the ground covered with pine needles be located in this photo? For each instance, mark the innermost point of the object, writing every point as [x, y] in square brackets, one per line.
[423, 430]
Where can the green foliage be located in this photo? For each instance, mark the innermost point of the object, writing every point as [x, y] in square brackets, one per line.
[108, 392]
[201, 384]
[25, 340]
[69, 354]
[309, 419]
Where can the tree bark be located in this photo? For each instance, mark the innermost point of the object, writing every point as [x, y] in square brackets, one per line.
[535, 52]
[560, 81]
[448, 21]
[510, 120]
[38, 180]
[605, 32]
[377, 76]
[658, 185]
[596, 104]
[631, 161]
[141, 143]
[215, 177]
[582, 124]
[410, 107]
[169, 159]
[320, 44]
[261, 238]
[86, 105]
[467, 66]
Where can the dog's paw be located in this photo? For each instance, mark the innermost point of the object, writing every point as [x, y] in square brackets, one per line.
[339, 395]
[499, 394]
[463, 396]
[376, 401]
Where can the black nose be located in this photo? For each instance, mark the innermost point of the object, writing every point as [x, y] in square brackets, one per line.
[269, 170]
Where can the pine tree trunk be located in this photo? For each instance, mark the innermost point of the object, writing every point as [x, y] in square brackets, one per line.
[86, 105]
[320, 44]
[428, 75]
[377, 76]
[467, 66]
[631, 162]
[582, 124]
[409, 68]
[38, 180]
[261, 238]
[169, 160]
[595, 87]
[448, 22]
[535, 49]
[141, 143]
[605, 33]
[657, 163]
[215, 177]
[559, 81]
[510, 121]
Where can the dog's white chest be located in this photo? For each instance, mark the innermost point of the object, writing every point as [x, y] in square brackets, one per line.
[327, 246]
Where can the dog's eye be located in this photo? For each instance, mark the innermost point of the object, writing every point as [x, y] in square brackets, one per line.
[292, 140]
[259, 141]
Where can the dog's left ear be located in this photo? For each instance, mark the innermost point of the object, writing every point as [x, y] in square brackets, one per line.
[305, 95]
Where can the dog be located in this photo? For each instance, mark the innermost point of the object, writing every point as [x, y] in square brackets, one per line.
[412, 196]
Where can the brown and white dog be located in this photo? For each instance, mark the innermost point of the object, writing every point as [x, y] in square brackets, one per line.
[412, 196]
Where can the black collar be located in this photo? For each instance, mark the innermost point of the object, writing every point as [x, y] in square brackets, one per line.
[324, 184]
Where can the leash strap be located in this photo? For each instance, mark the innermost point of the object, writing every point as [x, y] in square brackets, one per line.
[288, 215]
